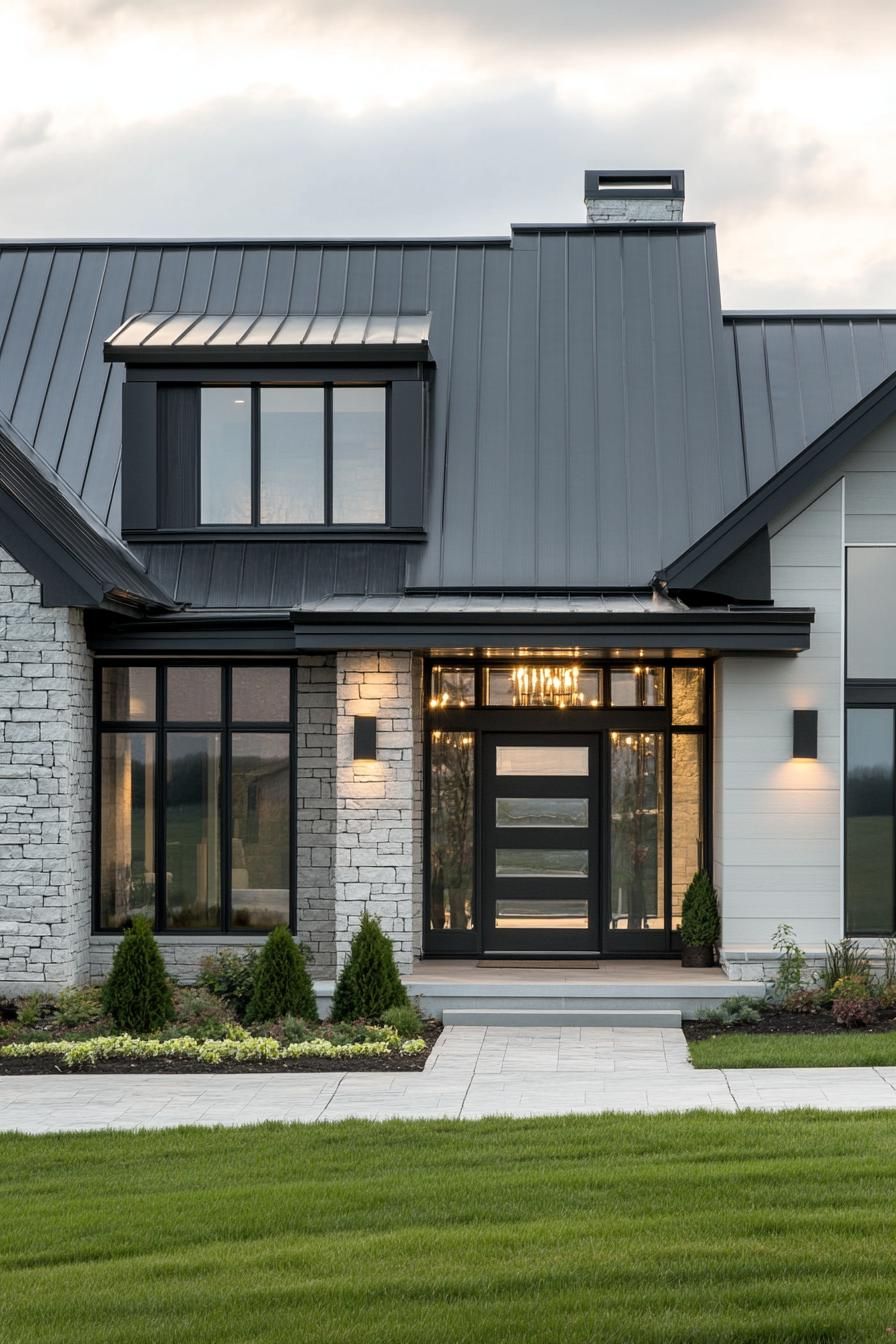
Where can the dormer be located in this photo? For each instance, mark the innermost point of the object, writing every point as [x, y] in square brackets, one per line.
[282, 427]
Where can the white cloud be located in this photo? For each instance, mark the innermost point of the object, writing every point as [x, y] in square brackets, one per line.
[352, 117]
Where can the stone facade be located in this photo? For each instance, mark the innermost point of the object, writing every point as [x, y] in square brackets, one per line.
[378, 842]
[316, 792]
[602, 210]
[46, 689]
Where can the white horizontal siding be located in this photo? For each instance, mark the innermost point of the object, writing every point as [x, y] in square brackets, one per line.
[777, 828]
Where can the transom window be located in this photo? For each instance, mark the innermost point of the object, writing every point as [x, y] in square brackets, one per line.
[196, 796]
[292, 456]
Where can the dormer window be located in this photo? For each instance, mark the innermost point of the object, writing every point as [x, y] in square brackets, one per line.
[292, 456]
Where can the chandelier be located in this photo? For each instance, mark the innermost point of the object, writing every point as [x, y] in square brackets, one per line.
[548, 687]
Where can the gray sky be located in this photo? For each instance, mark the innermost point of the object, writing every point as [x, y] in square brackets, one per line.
[439, 117]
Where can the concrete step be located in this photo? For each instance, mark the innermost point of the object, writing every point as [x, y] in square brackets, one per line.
[561, 1017]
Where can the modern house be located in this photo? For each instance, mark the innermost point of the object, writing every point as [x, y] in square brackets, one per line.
[492, 584]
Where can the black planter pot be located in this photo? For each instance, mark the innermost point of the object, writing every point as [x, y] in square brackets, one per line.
[698, 956]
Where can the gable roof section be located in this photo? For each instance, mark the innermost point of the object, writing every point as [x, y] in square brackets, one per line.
[734, 531]
[77, 562]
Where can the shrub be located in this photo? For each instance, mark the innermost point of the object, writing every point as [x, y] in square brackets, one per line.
[404, 1019]
[32, 1008]
[843, 959]
[849, 1011]
[700, 913]
[851, 987]
[137, 994]
[369, 983]
[805, 1001]
[889, 980]
[791, 965]
[732, 1011]
[199, 1012]
[282, 983]
[230, 975]
[74, 1007]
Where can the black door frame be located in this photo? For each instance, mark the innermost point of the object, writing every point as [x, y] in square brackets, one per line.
[478, 719]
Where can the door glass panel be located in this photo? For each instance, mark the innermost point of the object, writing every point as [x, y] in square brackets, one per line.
[451, 825]
[523, 914]
[127, 828]
[687, 815]
[541, 863]
[193, 849]
[687, 696]
[636, 831]
[542, 687]
[452, 686]
[292, 455]
[533, 761]
[638, 686]
[869, 820]
[259, 842]
[129, 693]
[551, 812]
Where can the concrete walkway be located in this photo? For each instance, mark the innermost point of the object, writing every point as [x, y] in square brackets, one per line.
[473, 1072]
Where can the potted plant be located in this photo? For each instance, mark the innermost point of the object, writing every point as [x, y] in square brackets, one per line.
[699, 922]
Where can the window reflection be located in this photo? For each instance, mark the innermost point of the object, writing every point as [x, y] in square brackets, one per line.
[637, 686]
[127, 828]
[451, 831]
[869, 821]
[292, 455]
[359, 455]
[225, 472]
[687, 815]
[260, 816]
[636, 831]
[192, 819]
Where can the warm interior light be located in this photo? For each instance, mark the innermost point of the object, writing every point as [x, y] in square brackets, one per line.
[550, 687]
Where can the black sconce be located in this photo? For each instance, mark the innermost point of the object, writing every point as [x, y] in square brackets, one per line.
[365, 737]
[805, 734]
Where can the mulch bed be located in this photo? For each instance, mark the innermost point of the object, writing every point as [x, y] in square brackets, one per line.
[774, 1023]
[394, 1063]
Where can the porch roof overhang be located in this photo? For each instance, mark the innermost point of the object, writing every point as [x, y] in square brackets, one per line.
[666, 630]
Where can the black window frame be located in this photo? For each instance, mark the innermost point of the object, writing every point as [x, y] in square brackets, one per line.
[159, 728]
[254, 390]
[480, 717]
[867, 695]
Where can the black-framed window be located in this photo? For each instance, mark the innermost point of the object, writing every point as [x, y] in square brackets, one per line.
[283, 456]
[195, 779]
[870, 820]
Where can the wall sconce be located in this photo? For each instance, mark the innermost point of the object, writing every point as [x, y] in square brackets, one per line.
[365, 737]
[805, 734]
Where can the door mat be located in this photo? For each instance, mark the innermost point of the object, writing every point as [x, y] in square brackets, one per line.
[532, 964]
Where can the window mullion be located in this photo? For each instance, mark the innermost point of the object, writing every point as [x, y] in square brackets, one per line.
[328, 453]
[255, 438]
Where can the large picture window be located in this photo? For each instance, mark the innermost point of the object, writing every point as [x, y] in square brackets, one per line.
[292, 456]
[196, 796]
[870, 820]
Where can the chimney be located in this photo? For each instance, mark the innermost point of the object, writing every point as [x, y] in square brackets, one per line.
[642, 196]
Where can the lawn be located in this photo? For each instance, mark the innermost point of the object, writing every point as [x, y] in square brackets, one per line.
[741, 1050]
[613, 1228]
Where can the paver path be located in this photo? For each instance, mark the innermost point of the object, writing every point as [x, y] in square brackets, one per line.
[473, 1072]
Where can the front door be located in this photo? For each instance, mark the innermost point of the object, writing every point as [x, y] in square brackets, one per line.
[540, 854]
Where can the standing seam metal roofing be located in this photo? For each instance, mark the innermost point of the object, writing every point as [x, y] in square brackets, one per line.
[592, 413]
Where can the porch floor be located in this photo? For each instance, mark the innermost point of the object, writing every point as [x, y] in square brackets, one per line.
[648, 973]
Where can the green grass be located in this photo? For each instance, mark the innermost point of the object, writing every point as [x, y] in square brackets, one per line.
[742, 1050]
[659, 1230]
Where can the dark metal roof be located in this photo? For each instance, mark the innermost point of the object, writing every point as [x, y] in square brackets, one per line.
[592, 415]
[50, 533]
[156, 336]
[233, 575]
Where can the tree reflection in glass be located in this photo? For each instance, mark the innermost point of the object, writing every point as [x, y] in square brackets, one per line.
[451, 831]
[636, 830]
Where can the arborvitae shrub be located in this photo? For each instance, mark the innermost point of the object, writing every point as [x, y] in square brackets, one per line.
[137, 994]
[282, 983]
[700, 913]
[369, 983]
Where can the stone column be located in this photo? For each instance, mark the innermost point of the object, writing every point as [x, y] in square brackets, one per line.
[375, 831]
[46, 683]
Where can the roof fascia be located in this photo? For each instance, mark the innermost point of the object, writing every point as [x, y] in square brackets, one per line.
[760, 508]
